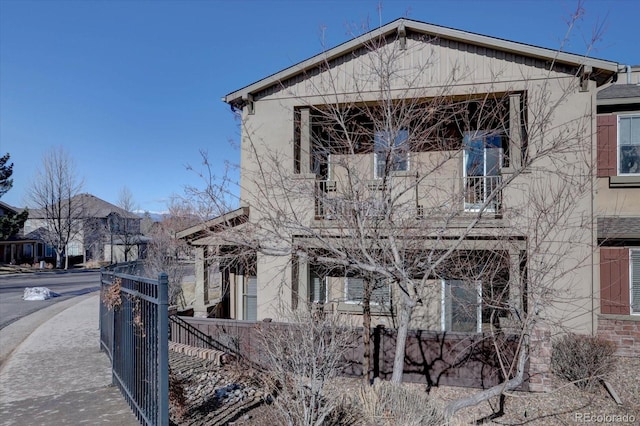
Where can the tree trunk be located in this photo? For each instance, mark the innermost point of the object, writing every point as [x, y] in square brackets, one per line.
[456, 405]
[366, 337]
[401, 340]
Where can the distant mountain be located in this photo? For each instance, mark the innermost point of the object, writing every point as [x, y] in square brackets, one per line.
[155, 216]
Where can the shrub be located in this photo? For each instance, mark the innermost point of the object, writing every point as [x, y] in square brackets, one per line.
[301, 358]
[582, 359]
[387, 404]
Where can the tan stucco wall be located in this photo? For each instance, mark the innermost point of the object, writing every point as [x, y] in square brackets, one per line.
[617, 201]
[268, 134]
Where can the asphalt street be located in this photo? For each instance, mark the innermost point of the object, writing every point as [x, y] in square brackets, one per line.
[67, 284]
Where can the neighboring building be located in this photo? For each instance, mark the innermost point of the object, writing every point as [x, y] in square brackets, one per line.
[618, 210]
[103, 233]
[282, 114]
[18, 248]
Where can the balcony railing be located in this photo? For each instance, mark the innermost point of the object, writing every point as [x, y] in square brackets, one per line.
[329, 205]
[482, 191]
[477, 192]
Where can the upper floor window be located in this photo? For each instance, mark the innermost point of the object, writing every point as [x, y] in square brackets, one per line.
[391, 152]
[629, 145]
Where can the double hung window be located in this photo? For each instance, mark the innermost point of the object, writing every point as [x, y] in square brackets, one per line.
[391, 152]
[629, 145]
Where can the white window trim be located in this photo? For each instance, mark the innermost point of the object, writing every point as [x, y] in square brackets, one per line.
[631, 312]
[618, 156]
[443, 304]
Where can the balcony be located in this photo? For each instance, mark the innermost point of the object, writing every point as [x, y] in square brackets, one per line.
[435, 197]
[330, 205]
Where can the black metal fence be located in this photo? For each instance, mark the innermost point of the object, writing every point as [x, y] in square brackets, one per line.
[134, 333]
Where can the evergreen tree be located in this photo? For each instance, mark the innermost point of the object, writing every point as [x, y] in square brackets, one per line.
[10, 223]
[5, 173]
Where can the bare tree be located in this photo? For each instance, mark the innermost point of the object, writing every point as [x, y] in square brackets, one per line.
[165, 252]
[128, 230]
[54, 192]
[505, 244]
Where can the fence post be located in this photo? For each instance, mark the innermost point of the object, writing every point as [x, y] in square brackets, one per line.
[163, 350]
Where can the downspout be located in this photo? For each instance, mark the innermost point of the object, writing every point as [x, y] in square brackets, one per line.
[594, 236]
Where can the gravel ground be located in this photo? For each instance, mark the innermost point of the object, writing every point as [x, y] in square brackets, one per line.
[202, 393]
[566, 404]
[211, 390]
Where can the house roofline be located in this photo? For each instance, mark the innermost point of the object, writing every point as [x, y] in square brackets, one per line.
[619, 101]
[198, 231]
[238, 97]
[8, 207]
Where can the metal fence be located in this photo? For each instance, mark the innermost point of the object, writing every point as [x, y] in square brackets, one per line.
[134, 333]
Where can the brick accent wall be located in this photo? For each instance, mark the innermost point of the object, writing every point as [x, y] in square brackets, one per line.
[540, 359]
[623, 330]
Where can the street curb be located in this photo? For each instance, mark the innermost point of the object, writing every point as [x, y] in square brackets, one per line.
[15, 333]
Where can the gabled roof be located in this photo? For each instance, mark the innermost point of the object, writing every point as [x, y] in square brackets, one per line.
[93, 207]
[7, 207]
[231, 219]
[238, 97]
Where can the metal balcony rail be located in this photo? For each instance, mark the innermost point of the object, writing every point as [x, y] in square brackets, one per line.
[482, 191]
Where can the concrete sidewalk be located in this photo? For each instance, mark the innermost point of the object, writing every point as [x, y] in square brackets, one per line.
[58, 375]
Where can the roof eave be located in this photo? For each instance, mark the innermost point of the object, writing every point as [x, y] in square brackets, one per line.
[618, 101]
[198, 231]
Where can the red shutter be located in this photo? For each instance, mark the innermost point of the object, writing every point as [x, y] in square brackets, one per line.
[614, 281]
[607, 145]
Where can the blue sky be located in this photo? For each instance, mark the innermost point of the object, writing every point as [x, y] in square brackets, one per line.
[132, 89]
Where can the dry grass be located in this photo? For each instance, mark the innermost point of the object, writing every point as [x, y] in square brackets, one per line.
[561, 406]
